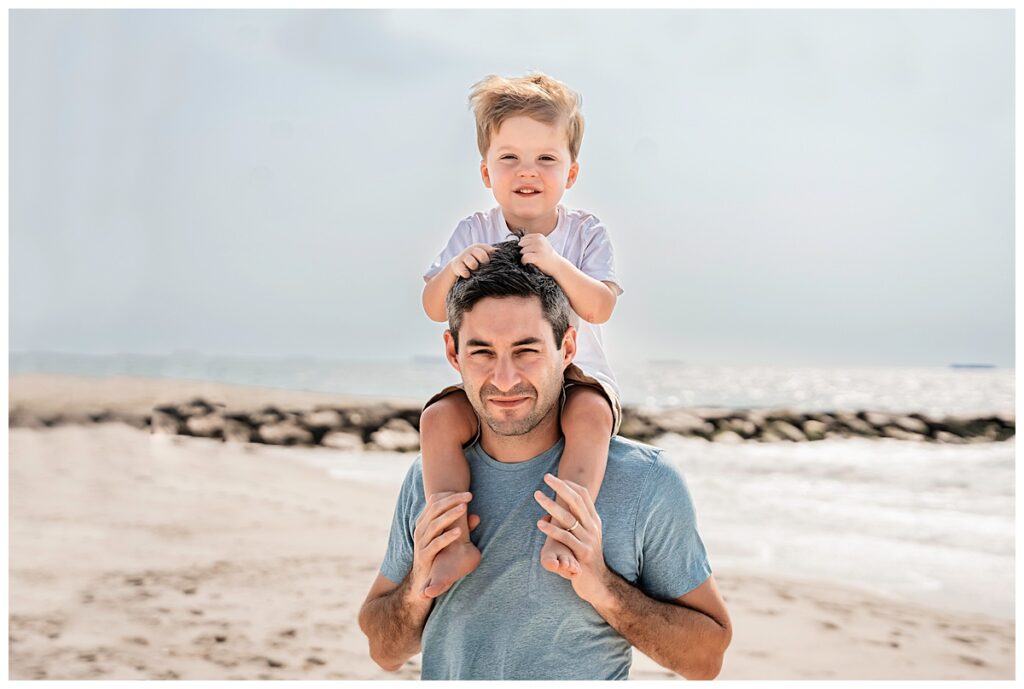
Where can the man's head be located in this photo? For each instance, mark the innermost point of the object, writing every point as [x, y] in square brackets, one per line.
[529, 130]
[509, 337]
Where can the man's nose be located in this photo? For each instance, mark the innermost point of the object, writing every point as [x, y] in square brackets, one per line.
[506, 375]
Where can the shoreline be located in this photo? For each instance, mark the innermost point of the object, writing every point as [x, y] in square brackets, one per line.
[288, 417]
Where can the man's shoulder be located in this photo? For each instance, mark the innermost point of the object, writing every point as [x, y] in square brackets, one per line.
[635, 461]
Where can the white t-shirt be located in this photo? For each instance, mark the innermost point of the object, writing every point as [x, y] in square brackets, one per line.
[579, 237]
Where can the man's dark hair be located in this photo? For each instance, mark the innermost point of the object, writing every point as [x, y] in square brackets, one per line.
[505, 276]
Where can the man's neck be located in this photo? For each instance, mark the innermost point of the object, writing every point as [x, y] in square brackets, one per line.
[512, 449]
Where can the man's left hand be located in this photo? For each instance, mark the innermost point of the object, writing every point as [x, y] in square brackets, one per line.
[590, 580]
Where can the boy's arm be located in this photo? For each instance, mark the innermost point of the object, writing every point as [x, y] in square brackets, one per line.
[592, 299]
[436, 290]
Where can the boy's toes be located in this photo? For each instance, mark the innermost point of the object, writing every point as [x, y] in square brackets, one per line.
[551, 563]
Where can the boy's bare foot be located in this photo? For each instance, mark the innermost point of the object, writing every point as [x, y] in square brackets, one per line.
[556, 557]
[451, 564]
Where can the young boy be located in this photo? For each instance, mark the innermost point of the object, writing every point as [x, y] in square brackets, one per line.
[529, 131]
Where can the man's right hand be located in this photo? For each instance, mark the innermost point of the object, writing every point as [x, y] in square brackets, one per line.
[432, 534]
[470, 259]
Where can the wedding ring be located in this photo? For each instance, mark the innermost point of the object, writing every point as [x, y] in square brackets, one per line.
[573, 527]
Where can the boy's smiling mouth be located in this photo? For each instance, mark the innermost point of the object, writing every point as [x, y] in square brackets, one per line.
[526, 191]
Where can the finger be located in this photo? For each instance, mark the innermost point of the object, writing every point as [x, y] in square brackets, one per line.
[481, 255]
[571, 498]
[562, 536]
[438, 504]
[471, 262]
[437, 525]
[474, 521]
[438, 544]
[556, 511]
[587, 499]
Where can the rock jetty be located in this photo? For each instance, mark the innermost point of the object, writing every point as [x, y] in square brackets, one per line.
[392, 427]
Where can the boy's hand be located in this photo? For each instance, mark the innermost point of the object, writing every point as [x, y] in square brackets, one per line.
[536, 250]
[470, 259]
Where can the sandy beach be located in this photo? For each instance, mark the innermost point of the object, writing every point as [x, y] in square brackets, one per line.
[135, 556]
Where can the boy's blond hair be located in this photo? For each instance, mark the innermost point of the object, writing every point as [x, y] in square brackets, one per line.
[494, 99]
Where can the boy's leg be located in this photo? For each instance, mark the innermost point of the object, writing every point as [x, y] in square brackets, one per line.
[587, 423]
[445, 426]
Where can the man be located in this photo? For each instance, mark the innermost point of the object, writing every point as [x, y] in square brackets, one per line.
[643, 580]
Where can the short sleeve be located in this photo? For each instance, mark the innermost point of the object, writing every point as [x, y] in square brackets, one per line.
[399, 554]
[461, 238]
[598, 255]
[673, 560]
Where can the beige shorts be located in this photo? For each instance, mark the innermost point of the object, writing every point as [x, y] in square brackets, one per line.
[573, 376]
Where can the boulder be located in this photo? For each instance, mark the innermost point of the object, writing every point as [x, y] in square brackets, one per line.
[342, 440]
[911, 424]
[323, 419]
[286, 432]
[814, 429]
[727, 437]
[856, 425]
[786, 430]
[898, 433]
[166, 422]
[397, 435]
[206, 426]
[876, 419]
[745, 428]
[947, 437]
[682, 422]
[238, 430]
[636, 427]
[19, 418]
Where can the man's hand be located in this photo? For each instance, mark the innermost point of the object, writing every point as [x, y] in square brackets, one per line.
[591, 579]
[432, 534]
[470, 259]
[537, 250]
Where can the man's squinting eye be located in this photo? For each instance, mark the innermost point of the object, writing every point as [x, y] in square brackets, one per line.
[527, 351]
[484, 352]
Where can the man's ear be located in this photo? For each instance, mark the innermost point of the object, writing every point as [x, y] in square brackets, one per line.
[485, 174]
[574, 171]
[449, 350]
[568, 347]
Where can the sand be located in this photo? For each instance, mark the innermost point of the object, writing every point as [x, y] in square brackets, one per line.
[135, 556]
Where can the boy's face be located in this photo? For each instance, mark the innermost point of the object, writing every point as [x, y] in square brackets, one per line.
[529, 167]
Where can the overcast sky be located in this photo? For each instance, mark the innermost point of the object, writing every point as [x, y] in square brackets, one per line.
[781, 187]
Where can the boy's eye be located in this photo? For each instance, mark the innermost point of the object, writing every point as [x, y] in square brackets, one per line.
[508, 156]
[547, 157]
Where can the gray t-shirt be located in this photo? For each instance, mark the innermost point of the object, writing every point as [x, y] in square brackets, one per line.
[512, 619]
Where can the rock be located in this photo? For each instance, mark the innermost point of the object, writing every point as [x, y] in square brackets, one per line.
[238, 430]
[636, 427]
[911, 424]
[342, 440]
[268, 416]
[769, 437]
[876, 419]
[18, 418]
[745, 428]
[286, 432]
[206, 426]
[900, 434]
[134, 420]
[195, 407]
[947, 437]
[368, 418]
[165, 422]
[727, 437]
[857, 425]
[683, 423]
[786, 430]
[814, 429]
[397, 435]
[323, 419]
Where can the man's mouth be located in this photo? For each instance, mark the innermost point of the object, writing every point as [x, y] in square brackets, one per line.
[506, 402]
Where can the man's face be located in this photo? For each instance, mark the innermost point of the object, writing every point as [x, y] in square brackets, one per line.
[510, 366]
[528, 167]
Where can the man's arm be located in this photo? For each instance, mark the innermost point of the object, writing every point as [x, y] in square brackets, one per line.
[688, 635]
[393, 615]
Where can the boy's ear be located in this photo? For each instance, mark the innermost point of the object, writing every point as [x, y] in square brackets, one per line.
[574, 170]
[484, 174]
